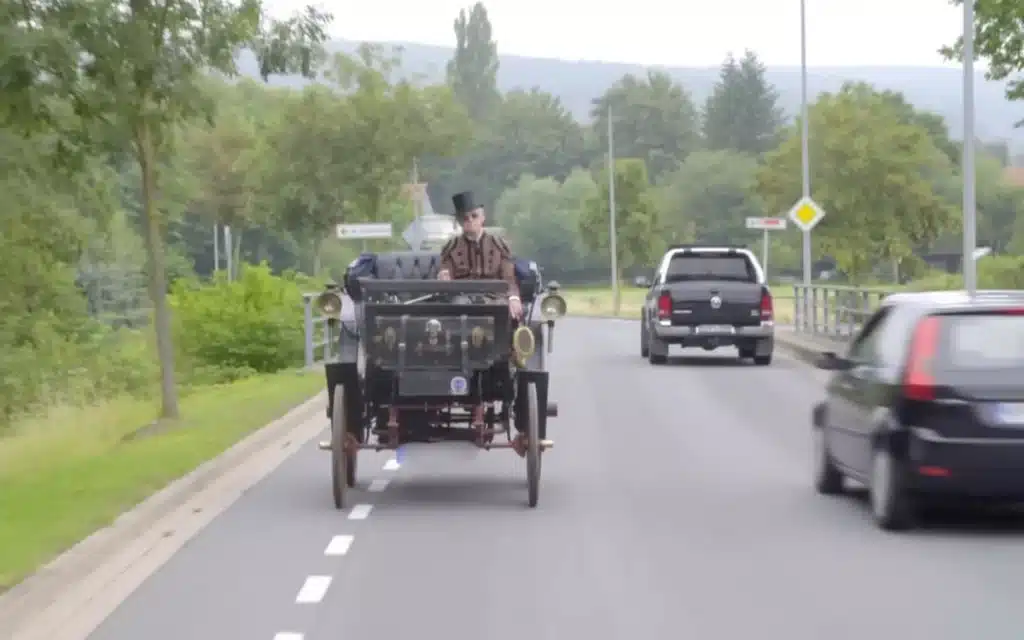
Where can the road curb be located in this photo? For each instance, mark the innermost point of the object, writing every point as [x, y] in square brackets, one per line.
[44, 605]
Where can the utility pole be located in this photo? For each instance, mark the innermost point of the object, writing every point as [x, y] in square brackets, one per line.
[805, 159]
[970, 213]
[611, 208]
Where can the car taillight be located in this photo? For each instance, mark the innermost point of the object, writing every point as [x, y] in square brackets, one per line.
[664, 306]
[767, 306]
[918, 382]
[1014, 312]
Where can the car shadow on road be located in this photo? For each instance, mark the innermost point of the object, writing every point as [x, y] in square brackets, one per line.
[985, 520]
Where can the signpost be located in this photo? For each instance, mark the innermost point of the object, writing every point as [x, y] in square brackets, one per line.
[766, 225]
[806, 214]
[366, 231]
[429, 231]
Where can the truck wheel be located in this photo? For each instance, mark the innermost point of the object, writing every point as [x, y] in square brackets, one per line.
[763, 360]
[644, 350]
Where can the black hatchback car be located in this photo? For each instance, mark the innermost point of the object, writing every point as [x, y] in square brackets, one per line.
[927, 404]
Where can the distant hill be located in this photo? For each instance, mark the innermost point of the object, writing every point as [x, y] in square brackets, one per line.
[578, 82]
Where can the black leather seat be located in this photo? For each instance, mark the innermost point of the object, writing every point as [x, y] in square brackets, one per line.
[408, 265]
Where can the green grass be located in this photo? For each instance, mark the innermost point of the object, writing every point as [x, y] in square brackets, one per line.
[71, 473]
[599, 302]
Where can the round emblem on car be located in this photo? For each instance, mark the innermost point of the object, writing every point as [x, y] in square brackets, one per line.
[716, 302]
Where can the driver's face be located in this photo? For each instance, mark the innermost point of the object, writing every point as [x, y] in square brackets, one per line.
[473, 221]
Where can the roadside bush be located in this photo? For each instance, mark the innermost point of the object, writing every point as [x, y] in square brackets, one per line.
[228, 330]
[994, 272]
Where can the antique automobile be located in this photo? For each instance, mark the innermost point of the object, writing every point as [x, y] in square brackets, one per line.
[423, 360]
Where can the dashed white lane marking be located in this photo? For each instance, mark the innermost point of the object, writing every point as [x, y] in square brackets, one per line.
[360, 512]
[313, 590]
[338, 546]
[392, 465]
[288, 635]
[378, 485]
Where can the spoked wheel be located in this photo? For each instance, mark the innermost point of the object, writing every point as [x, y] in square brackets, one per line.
[343, 459]
[533, 451]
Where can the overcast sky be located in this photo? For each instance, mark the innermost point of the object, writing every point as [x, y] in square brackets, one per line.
[670, 32]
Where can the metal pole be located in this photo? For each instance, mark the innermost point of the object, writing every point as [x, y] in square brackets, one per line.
[764, 254]
[228, 257]
[611, 206]
[805, 135]
[970, 213]
[216, 247]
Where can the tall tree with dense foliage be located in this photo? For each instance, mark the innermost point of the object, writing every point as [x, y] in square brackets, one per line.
[998, 38]
[874, 174]
[134, 71]
[742, 112]
[473, 70]
[654, 118]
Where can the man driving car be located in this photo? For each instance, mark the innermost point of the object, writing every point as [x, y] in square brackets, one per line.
[478, 255]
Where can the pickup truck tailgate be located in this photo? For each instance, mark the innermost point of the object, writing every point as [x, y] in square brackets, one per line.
[716, 302]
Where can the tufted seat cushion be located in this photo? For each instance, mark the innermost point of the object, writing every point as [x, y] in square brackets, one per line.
[408, 265]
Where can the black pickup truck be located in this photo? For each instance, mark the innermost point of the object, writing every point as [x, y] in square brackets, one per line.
[709, 297]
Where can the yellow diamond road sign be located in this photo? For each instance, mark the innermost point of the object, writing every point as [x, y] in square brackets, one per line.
[806, 214]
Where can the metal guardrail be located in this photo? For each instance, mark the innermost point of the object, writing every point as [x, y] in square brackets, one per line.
[834, 312]
[321, 343]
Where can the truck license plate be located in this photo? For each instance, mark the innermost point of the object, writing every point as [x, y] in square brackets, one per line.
[716, 328]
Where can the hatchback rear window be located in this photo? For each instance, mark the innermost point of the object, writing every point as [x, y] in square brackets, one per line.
[707, 266]
[984, 341]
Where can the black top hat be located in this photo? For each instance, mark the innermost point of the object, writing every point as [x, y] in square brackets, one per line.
[464, 203]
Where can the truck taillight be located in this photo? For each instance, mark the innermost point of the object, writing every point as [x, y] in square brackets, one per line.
[918, 382]
[664, 306]
[767, 306]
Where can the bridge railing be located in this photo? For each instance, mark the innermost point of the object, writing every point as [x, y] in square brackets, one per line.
[321, 342]
[834, 312]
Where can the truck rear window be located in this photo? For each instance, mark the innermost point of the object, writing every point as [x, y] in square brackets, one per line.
[983, 341]
[696, 266]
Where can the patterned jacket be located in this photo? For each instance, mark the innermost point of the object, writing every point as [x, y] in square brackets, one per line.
[488, 258]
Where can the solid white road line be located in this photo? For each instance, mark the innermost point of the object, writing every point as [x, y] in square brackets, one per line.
[313, 590]
[338, 546]
[378, 485]
[288, 635]
[360, 512]
[392, 465]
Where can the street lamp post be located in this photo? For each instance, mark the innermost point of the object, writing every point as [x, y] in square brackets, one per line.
[970, 213]
[805, 159]
[611, 211]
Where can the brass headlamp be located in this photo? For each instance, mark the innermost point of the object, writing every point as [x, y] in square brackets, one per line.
[553, 306]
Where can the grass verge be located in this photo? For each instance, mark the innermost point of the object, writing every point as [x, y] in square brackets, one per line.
[73, 472]
[599, 302]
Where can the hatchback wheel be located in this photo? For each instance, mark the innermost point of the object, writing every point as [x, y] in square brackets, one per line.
[828, 480]
[892, 505]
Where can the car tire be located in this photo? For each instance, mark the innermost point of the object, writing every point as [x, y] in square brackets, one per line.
[892, 505]
[828, 479]
[763, 361]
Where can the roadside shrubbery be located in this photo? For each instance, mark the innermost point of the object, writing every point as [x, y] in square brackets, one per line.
[228, 330]
[223, 331]
[994, 272]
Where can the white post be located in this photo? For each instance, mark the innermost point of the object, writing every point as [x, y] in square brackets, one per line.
[611, 207]
[228, 253]
[764, 253]
[970, 214]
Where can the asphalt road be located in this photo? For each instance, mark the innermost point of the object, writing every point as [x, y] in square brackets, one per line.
[676, 503]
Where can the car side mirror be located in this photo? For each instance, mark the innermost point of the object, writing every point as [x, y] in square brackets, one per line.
[642, 282]
[829, 361]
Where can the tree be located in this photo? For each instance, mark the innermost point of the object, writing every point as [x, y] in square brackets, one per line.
[637, 224]
[654, 119]
[742, 112]
[542, 219]
[999, 38]
[873, 173]
[709, 197]
[133, 70]
[473, 70]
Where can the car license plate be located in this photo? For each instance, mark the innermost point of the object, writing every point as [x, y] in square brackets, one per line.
[715, 328]
[1010, 413]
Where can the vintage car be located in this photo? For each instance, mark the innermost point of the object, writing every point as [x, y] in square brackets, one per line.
[425, 360]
